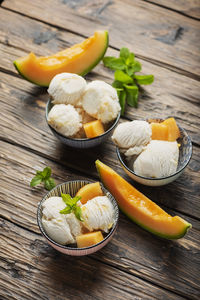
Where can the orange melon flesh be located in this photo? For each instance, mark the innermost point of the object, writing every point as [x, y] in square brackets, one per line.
[79, 59]
[173, 133]
[139, 208]
[93, 129]
[89, 191]
[159, 131]
[89, 239]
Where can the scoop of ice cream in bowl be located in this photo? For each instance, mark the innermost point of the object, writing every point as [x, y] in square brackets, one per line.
[78, 217]
[81, 114]
[154, 152]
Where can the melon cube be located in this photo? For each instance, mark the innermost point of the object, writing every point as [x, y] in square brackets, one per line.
[93, 129]
[174, 132]
[89, 191]
[159, 131]
[89, 239]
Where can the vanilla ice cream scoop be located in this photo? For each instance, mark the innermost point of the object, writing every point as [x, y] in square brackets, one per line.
[159, 159]
[65, 119]
[132, 136]
[100, 101]
[98, 213]
[66, 88]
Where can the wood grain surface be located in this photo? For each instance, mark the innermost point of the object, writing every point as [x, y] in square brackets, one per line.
[135, 264]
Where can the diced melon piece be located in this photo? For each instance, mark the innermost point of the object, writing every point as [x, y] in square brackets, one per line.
[174, 132]
[93, 129]
[89, 191]
[89, 239]
[159, 131]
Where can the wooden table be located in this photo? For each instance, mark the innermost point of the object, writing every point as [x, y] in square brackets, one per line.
[136, 264]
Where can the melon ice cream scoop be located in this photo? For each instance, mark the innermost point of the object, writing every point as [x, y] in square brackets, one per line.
[159, 159]
[100, 101]
[65, 119]
[61, 228]
[132, 137]
[98, 213]
[66, 88]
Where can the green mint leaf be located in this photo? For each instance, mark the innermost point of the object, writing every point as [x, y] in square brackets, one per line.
[67, 199]
[67, 210]
[78, 213]
[124, 53]
[36, 180]
[123, 77]
[130, 70]
[49, 184]
[76, 199]
[117, 84]
[46, 173]
[130, 59]
[137, 66]
[39, 173]
[122, 101]
[132, 95]
[114, 63]
[144, 79]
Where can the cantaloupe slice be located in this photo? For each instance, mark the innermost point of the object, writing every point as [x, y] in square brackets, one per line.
[89, 191]
[93, 128]
[173, 130]
[89, 239]
[79, 59]
[159, 131]
[139, 208]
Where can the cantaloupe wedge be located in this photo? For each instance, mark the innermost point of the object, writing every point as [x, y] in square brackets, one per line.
[159, 131]
[139, 208]
[93, 128]
[173, 130]
[89, 239]
[89, 191]
[79, 59]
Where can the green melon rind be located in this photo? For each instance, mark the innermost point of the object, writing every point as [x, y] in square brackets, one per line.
[17, 65]
[169, 237]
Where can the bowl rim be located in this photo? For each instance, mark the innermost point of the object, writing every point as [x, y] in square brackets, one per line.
[160, 178]
[80, 139]
[39, 219]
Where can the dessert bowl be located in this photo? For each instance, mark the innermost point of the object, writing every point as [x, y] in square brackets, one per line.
[185, 154]
[71, 187]
[81, 143]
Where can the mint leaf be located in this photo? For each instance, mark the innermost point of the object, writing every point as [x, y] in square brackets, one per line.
[124, 53]
[132, 95]
[144, 79]
[78, 213]
[67, 199]
[49, 184]
[130, 59]
[46, 173]
[36, 180]
[137, 66]
[123, 77]
[122, 101]
[117, 84]
[114, 63]
[67, 210]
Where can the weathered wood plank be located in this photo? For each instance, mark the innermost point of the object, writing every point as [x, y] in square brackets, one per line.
[42, 273]
[171, 94]
[22, 121]
[150, 31]
[188, 8]
[133, 250]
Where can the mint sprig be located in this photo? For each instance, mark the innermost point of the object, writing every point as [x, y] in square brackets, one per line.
[71, 206]
[45, 177]
[126, 82]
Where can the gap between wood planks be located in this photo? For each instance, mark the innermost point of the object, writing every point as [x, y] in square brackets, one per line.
[151, 60]
[171, 9]
[81, 173]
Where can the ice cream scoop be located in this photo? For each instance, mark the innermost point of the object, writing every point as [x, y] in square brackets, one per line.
[98, 213]
[100, 101]
[66, 88]
[61, 228]
[65, 119]
[132, 136]
[159, 159]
